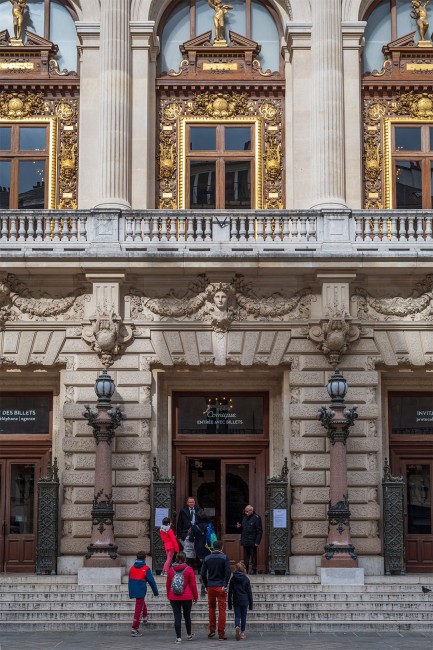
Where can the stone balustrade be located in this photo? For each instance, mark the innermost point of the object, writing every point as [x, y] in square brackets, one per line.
[227, 232]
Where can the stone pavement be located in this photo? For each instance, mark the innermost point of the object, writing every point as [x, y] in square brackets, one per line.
[262, 640]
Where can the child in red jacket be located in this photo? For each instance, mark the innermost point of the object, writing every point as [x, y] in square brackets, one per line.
[169, 540]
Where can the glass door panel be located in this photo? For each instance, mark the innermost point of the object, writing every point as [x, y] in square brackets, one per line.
[236, 492]
[419, 510]
[22, 496]
[31, 184]
[5, 184]
[202, 179]
[408, 178]
[238, 185]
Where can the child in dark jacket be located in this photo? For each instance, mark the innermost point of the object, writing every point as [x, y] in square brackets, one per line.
[139, 575]
[240, 598]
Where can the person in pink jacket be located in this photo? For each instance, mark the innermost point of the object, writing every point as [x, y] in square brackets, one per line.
[181, 594]
[170, 542]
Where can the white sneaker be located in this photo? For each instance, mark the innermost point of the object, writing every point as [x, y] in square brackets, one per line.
[190, 637]
[178, 641]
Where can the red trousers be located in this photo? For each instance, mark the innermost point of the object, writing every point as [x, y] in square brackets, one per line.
[139, 613]
[217, 595]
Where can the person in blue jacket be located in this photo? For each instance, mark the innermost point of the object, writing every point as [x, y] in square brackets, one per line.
[139, 575]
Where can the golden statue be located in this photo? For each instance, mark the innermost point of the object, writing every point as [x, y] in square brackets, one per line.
[419, 13]
[18, 9]
[219, 19]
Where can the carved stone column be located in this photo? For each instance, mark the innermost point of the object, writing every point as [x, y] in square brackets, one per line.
[328, 105]
[115, 102]
[339, 552]
[102, 551]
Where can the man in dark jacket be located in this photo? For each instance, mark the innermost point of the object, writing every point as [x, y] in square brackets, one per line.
[215, 573]
[251, 535]
[186, 518]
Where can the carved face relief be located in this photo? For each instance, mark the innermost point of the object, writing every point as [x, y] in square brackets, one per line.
[221, 300]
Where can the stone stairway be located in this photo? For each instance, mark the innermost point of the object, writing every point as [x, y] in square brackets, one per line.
[280, 603]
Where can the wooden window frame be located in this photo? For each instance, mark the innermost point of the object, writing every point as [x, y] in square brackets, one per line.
[14, 155]
[391, 157]
[220, 156]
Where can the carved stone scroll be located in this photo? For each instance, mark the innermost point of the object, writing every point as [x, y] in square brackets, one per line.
[18, 303]
[416, 307]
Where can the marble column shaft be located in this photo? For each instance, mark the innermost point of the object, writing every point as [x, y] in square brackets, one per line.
[328, 105]
[115, 106]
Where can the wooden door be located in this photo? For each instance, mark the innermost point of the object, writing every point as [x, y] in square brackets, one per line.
[418, 475]
[18, 505]
[237, 491]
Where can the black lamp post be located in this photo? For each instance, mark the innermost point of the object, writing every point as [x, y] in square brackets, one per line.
[339, 552]
[102, 551]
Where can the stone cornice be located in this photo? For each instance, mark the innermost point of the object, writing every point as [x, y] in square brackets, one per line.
[298, 36]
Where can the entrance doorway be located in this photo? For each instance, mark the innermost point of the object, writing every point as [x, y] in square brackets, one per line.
[221, 459]
[417, 472]
[18, 512]
[411, 443]
[223, 488]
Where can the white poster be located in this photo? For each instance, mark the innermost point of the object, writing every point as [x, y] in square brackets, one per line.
[280, 518]
[160, 513]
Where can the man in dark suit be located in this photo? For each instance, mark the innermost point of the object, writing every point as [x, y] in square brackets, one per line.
[186, 518]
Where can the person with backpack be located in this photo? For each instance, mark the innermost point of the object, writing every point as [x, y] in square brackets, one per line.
[251, 535]
[198, 535]
[139, 576]
[182, 593]
[215, 573]
[170, 542]
[240, 598]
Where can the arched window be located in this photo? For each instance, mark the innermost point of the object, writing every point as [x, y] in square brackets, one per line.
[52, 20]
[250, 18]
[387, 21]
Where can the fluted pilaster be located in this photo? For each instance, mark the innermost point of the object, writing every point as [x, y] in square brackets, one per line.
[328, 105]
[115, 106]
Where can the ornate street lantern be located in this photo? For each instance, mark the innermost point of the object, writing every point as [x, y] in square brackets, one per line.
[339, 552]
[102, 551]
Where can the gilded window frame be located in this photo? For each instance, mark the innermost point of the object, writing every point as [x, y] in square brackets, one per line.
[182, 148]
[52, 123]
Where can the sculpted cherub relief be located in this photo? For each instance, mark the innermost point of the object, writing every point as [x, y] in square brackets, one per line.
[416, 307]
[17, 303]
[220, 304]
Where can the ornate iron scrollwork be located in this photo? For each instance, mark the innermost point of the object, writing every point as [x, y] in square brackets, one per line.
[393, 522]
[162, 497]
[48, 516]
[278, 538]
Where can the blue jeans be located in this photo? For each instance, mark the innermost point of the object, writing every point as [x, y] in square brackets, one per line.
[241, 616]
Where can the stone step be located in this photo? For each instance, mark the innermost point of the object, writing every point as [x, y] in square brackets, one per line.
[332, 625]
[280, 614]
[120, 596]
[108, 606]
